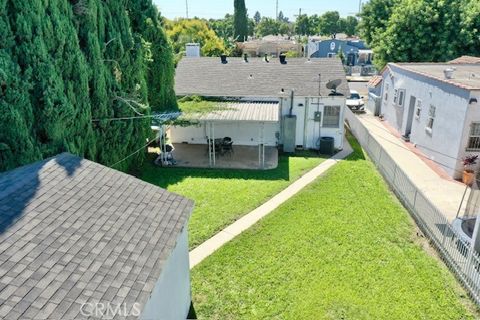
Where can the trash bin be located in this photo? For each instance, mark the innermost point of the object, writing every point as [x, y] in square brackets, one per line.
[327, 145]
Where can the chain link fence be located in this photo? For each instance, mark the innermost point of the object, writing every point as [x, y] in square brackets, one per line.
[455, 250]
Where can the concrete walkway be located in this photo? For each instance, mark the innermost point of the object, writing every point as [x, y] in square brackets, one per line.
[441, 190]
[201, 252]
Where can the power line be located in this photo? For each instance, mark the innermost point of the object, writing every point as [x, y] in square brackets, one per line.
[124, 118]
[131, 155]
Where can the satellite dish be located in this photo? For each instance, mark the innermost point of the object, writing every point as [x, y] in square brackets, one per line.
[333, 85]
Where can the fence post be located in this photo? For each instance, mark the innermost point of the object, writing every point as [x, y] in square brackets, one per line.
[473, 244]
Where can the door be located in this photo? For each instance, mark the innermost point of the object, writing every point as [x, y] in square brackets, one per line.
[411, 112]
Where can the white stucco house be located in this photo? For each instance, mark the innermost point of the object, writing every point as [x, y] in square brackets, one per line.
[436, 107]
[295, 89]
[82, 241]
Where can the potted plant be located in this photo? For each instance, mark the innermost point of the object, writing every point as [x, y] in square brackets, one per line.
[469, 172]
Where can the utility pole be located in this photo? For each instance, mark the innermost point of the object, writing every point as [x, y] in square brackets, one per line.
[276, 10]
[360, 7]
[186, 3]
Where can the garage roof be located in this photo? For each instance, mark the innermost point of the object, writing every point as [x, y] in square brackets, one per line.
[73, 231]
[240, 112]
[207, 76]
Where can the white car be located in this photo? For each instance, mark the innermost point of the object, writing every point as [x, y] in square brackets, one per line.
[355, 101]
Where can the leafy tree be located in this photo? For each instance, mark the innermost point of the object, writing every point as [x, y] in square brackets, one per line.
[419, 30]
[184, 31]
[350, 24]
[240, 21]
[329, 23]
[269, 26]
[468, 39]
[224, 28]
[257, 17]
[374, 19]
[282, 17]
[303, 26]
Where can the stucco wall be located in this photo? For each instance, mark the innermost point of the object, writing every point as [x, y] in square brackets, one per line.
[171, 296]
[473, 115]
[444, 144]
[243, 134]
[309, 131]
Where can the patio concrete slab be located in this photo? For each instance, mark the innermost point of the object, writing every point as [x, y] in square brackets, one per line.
[243, 157]
[201, 252]
[428, 176]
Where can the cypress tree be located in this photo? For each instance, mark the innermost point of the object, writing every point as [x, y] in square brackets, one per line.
[147, 23]
[64, 63]
[240, 21]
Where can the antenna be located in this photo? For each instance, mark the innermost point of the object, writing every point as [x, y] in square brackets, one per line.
[186, 4]
[333, 85]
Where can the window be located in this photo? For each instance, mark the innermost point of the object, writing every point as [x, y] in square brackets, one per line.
[418, 111]
[401, 97]
[386, 91]
[474, 140]
[331, 117]
[332, 55]
[431, 118]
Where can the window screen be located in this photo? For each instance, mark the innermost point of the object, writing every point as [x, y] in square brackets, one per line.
[474, 140]
[331, 117]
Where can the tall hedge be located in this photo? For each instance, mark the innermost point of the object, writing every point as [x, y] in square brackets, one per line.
[65, 63]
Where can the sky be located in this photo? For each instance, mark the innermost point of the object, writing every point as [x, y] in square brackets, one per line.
[218, 8]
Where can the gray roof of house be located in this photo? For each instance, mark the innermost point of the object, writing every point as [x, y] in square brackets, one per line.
[465, 76]
[240, 112]
[73, 231]
[209, 77]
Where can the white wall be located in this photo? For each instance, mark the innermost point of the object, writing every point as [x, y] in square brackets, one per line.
[171, 296]
[447, 137]
[308, 131]
[473, 115]
[242, 134]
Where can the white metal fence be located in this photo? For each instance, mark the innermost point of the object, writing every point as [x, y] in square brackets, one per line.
[457, 253]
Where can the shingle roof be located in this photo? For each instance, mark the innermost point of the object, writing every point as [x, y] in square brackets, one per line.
[209, 77]
[240, 112]
[466, 60]
[375, 81]
[464, 76]
[73, 231]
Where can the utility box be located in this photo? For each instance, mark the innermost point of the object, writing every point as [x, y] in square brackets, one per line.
[289, 133]
[317, 116]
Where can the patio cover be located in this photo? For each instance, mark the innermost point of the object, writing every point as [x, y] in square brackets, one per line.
[266, 112]
[257, 112]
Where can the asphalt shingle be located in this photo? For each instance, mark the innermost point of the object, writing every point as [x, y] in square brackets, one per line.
[207, 76]
[73, 231]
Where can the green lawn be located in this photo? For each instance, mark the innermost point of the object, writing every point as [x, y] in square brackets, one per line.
[223, 196]
[344, 248]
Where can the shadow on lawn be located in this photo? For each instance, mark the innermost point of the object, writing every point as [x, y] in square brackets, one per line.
[164, 177]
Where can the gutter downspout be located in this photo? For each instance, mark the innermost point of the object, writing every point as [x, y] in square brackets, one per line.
[292, 96]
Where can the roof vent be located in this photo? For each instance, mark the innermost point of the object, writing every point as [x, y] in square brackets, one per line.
[223, 57]
[266, 58]
[448, 73]
[283, 59]
[245, 57]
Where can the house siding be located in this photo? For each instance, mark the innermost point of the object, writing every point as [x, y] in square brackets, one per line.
[171, 296]
[445, 144]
